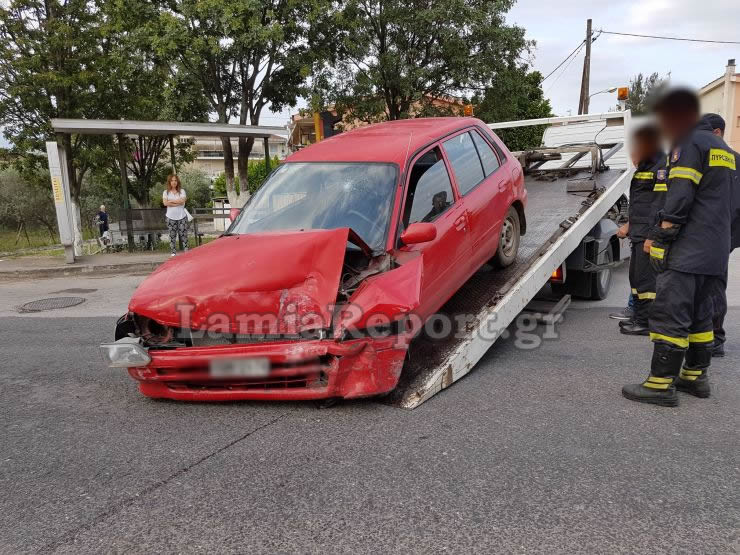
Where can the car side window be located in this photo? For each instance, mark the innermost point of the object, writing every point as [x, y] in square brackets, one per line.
[487, 156]
[430, 191]
[464, 160]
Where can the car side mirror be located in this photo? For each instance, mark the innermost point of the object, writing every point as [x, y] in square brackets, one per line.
[233, 213]
[419, 232]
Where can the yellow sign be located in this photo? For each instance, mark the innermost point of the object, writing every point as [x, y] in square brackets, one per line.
[56, 186]
[720, 157]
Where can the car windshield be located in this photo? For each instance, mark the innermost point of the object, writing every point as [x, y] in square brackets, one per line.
[322, 195]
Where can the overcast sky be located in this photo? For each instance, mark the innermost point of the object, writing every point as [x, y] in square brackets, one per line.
[559, 25]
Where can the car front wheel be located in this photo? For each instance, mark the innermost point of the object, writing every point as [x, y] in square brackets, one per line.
[508, 243]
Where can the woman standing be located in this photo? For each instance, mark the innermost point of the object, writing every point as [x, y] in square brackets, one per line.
[174, 198]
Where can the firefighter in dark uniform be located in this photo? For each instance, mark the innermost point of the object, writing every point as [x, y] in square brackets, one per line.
[647, 195]
[689, 249]
[717, 123]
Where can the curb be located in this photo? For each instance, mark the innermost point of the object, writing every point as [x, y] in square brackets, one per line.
[71, 270]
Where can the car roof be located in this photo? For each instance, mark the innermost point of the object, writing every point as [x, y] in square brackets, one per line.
[390, 141]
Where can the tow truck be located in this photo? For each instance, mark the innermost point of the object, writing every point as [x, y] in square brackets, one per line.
[576, 200]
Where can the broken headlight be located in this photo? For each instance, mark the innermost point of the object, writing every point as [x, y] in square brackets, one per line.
[127, 352]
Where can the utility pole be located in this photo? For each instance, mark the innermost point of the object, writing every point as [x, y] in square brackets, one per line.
[583, 102]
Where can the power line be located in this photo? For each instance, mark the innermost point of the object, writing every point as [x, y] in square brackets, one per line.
[566, 59]
[670, 38]
[565, 69]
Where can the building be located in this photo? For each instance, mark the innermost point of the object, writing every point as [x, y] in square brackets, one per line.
[722, 96]
[209, 154]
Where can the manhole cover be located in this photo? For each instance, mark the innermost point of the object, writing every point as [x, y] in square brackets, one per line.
[51, 304]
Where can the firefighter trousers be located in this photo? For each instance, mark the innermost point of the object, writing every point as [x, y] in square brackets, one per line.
[642, 282]
[720, 311]
[681, 321]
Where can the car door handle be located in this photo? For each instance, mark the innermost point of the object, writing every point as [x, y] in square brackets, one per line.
[460, 222]
[501, 186]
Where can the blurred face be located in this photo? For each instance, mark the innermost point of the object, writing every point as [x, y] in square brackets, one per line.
[718, 132]
[173, 182]
[102, 207]
[676, 125]
[643, 148]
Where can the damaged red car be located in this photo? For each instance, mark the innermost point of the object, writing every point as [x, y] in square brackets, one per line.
[331, 268]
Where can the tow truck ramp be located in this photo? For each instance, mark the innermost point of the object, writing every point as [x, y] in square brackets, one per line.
[557, 223]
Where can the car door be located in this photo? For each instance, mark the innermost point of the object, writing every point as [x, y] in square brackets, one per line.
[484, 190]
[430, 197]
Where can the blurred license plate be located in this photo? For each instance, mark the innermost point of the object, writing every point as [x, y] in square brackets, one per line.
[240, 368]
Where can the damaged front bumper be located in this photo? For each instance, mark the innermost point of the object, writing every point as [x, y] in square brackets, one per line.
[297, 370]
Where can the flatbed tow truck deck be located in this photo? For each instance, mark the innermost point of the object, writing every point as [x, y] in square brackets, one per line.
[557, 223]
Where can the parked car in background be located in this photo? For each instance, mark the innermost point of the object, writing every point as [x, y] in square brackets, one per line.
[321, 282]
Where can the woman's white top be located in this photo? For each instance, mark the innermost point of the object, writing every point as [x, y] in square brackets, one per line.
[175, 212]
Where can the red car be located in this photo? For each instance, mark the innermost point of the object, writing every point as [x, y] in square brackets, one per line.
[319, 285]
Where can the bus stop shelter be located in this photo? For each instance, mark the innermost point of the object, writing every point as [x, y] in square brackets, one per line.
[59, 166]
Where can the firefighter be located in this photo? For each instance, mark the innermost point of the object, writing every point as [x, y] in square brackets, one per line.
[689, 249]
[647, 194]
[717, 123]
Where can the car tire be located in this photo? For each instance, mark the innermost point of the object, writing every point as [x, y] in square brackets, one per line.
[508, 244]
[601, 281]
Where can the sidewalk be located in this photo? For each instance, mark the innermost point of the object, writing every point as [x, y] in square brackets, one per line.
[54, 266]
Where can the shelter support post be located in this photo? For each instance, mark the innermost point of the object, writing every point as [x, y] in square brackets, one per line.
[124, 189]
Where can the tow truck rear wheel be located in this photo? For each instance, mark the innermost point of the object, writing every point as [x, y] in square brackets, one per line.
[508, 243]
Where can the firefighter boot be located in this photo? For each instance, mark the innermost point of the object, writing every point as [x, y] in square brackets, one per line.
[658, 388]
[693, 376]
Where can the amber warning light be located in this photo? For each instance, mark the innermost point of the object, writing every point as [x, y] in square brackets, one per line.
[468, 110]
[623, 93]
[558, 275]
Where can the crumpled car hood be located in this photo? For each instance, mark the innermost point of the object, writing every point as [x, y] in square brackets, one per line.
[271, 283]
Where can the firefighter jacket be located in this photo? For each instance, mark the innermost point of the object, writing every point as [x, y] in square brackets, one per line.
[647, 196]
[700, 174]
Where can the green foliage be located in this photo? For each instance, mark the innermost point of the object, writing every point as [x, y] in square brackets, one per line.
[641, 86]
[515, 94]
[257, 173]
[27, 203]
[395, 57]
[198, 187]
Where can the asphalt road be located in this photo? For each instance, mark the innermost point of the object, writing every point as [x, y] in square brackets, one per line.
[533, 452]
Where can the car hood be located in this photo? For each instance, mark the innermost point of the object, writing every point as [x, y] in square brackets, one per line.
[272, 283]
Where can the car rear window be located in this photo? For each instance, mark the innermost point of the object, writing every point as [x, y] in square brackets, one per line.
[465, 162]
[487, 156]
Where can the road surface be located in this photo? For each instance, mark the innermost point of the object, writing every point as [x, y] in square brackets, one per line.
[535, 451]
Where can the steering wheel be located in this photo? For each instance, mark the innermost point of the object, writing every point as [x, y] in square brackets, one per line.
[373, 224]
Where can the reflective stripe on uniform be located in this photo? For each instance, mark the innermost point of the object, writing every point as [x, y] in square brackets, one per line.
[644, 175]
[644, 296]
[656, 379]
[634, 291]
[660, 188]
[704, 337]
[689, 375]
[656, 385]
[720, 157]
[657, 252]
[683, 172]
[682, 342]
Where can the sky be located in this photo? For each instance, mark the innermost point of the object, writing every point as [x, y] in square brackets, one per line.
[558, 26]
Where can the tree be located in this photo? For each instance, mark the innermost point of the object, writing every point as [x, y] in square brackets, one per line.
[397, 56]
[640, 89]
[52, 65]
[515, 94]
[246, 56]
